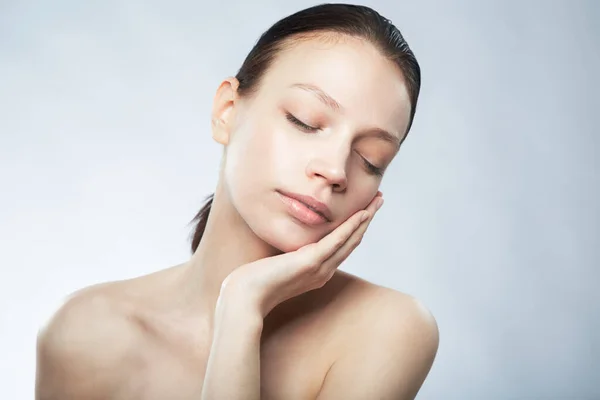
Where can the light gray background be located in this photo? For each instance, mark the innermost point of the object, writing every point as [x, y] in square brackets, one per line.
[491, 214]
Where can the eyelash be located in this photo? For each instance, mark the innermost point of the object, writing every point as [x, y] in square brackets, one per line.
[299, 123]
[370, 167]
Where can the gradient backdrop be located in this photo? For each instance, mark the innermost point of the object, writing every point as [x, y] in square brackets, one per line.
[492, 213]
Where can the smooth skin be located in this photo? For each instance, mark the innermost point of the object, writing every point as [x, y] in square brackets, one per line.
[253, 290]
[271, 281]
[261, 309]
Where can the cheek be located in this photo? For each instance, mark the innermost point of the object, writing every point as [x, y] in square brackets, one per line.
[259, 157]
[243, 165]
[259, 160]
[285, 155]
[360, 197]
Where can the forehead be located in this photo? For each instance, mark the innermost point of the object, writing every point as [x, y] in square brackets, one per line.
[369, 86]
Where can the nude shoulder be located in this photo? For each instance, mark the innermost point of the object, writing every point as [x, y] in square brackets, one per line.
[390, 343]
[376, 310]
[78, 354]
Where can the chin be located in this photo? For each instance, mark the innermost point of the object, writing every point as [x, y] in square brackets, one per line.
[269, 221]
[282, 233]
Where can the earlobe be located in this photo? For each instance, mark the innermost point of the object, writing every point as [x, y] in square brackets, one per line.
[218, 133]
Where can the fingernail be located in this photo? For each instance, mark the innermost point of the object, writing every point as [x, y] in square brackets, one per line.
[379, 203]
[364, 216]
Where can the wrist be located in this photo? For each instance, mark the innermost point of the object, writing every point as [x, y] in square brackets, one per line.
[234, 309]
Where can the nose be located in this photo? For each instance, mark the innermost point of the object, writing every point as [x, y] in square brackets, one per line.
[332, 169]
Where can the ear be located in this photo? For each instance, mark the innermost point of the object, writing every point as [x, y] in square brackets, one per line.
[223, 110]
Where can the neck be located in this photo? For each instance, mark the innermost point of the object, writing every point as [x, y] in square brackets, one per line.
[227, 243]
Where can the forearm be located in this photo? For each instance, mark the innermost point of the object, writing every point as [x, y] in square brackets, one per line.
[233, 368]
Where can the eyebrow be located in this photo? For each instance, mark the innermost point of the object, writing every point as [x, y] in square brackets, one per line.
[324, 97]
[334, 105]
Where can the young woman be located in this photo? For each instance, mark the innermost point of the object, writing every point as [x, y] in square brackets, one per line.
[308, 125]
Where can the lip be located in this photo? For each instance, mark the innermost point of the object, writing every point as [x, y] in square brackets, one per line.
[311, 203]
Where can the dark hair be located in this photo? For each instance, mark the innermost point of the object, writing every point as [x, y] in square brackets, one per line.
[337, 19]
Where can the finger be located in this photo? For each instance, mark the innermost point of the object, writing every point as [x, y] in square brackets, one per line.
[316, 253]
[354, 240]
[333, 242]
[324, 248]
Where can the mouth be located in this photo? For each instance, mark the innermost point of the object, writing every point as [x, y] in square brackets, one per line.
[307, 209]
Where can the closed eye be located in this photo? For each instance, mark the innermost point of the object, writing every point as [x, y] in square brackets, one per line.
[299, 123]
[372, 168]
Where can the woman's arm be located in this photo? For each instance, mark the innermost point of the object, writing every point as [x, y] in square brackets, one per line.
[233, 368]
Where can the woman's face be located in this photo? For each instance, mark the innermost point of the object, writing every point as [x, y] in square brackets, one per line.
[326, 122]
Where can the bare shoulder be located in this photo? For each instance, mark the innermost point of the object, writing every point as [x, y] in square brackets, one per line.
[390, 349]
[379, 308]
[398, 312]
[404, 321]
[83, 348]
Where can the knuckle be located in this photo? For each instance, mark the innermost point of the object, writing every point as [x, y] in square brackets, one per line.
[325, 277]
[339, 242]
[314, 268]
[323, 273]
[321, 282]
[310, 266]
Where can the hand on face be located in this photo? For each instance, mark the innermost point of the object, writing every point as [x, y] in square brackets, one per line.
[263, 284]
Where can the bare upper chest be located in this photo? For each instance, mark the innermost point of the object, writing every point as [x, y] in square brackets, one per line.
[294, 359]
[171, 378]
[300, 341]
